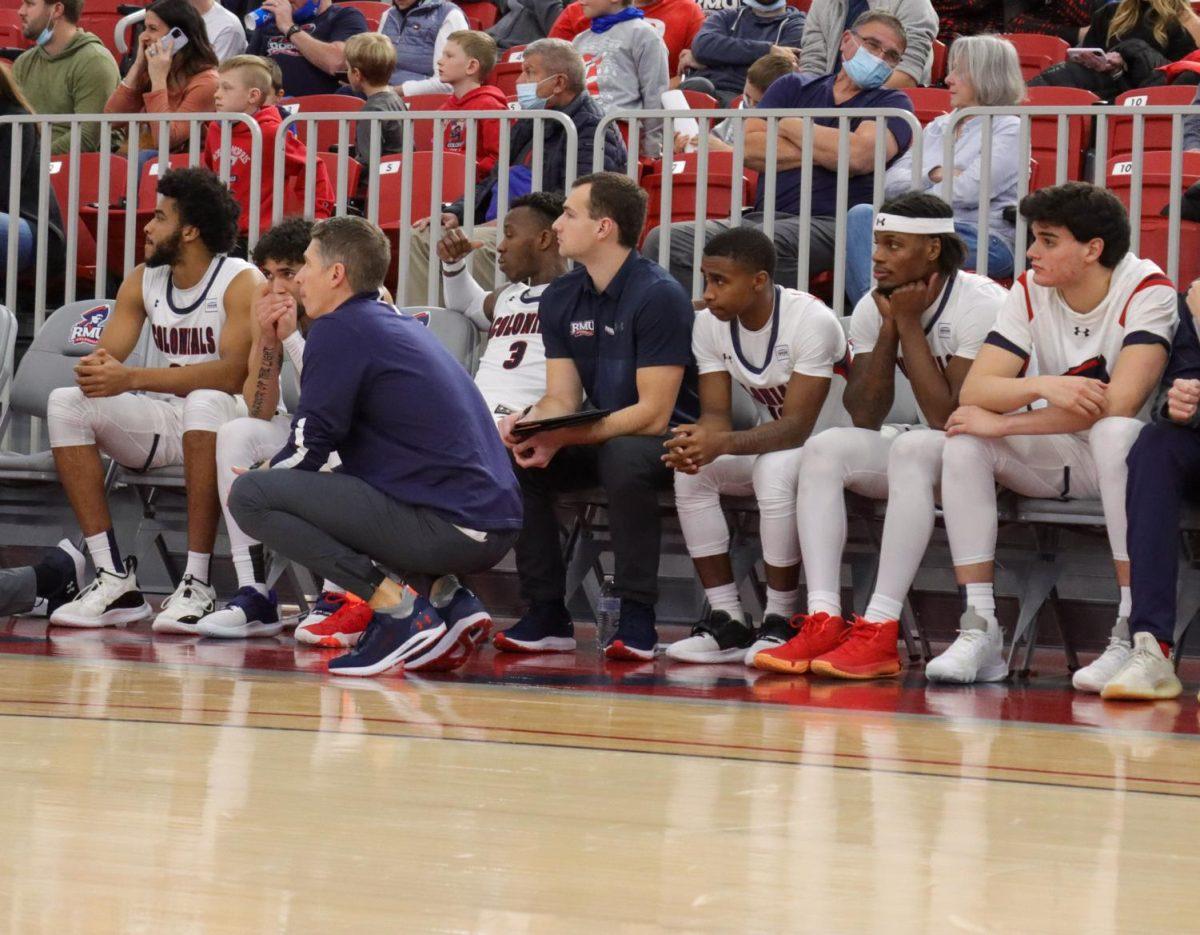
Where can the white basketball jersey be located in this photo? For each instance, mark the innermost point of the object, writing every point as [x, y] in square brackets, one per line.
[803, 336]
[1141, 308]
[955, 325]
[185, 324]
[512, 370]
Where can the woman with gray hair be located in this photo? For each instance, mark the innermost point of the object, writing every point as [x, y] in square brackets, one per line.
[984, 71]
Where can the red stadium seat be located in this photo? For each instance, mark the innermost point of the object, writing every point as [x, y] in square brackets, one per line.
[938, 73]
[698, 100]
[423, 129]
[1156, 195]
[505, 76]
[684, 178]
[481, 11]
[1043, 135]
[929, 102]
[353, 173]
[104, 24]
[514, 54]
[327, 131]
[11, 36]
[391, 177]
[1156, 130]
[89, 194]
[371, 10]
[802, 5]
[1037, 52]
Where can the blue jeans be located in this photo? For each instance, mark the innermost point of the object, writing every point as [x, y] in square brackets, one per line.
[860, 244]
[24, 243]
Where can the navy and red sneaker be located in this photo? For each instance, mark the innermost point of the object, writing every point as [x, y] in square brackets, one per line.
[545, 628]
[467, 625]
[636, 636]
[408, 635]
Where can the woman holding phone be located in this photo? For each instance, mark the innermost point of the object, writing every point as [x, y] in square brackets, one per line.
[175, 71]
[1126, 42]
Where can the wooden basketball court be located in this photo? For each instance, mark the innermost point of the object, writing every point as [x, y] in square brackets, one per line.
[180, 785]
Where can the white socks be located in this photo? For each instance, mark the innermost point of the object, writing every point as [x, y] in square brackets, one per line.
[781, 603]
[1125, 608]
[825, 602]
[197, 565]
[102, 547]
[725, 597]
[982, 599]
[882, 609]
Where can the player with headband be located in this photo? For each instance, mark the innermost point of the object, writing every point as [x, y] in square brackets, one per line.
[926, 319]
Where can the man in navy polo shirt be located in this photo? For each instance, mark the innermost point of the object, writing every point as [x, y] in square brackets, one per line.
[306, 39]
[618, 333]
[870, 50]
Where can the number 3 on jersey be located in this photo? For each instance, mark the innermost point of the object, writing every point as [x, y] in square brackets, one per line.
[516, 355]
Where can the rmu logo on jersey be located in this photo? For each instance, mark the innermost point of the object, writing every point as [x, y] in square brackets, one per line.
[583, 329]
[520, 323]
[1096, 368]
[91, 323]
[184, 341]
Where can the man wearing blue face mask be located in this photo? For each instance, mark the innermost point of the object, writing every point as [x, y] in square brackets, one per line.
[857, 85]
[305, 38]
[821, 51]
[732, 40]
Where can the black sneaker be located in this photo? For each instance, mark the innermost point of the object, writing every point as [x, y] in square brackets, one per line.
[718, 638]
[65, 563]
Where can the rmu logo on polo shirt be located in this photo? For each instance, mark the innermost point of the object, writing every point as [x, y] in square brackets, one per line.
[583, 329]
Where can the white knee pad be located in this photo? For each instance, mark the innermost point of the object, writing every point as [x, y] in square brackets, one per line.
[69, 418]
[915, 458]
[965, 457]
[1110, 441]
[207, 410]
[698, 504]
[776, 477]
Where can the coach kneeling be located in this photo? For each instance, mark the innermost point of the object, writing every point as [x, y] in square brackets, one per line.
[425, 486]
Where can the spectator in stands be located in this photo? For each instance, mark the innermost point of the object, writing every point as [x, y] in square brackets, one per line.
[226, 33]
[419, 30]
[967, 18]
[1137, 38]
[24, 225]
[370, 60]
[524, 21]
[759, 77]
[512, 371]
[166, 80]
[195, 300]
[677, 21]
[46, 586]
[245, 83]
[618, 335]
[984, 72]
[732, 40]
[869, 51]
[821, 50]
[552, 78]
[467, 59]
[305, 39]
[627, 69]
[1067, 19]
[424, 487]
[68, 71]
[1164, 464]
[1098, 321]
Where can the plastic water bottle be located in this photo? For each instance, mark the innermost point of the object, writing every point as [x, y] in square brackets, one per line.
[608, 613]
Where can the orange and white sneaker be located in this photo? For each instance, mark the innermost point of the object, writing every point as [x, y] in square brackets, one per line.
[819, 633]
[336, 621]
[868, 652]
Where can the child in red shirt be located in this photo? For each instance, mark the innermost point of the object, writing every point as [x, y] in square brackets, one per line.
[245, 87]
[467, 59]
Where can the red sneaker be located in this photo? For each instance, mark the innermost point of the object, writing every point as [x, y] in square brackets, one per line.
[819, 633]
[868, 652]
[337, 621]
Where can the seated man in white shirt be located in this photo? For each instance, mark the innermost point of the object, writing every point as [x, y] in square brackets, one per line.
[226, 34]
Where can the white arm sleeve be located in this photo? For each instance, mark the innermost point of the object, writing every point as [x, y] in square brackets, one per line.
[465, 295]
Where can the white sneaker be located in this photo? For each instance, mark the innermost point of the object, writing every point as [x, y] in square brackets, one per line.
[1147, 675]
[248, 613]
[109, 601]
[181, 612]
[717, 638]
[1093, 678]
[977, 655]
[775, 631]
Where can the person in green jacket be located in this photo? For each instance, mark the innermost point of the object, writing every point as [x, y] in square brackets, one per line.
[69, 71]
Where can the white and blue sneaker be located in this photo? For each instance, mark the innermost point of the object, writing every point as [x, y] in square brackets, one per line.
[248, 613]
[406, 637]
[467, 625]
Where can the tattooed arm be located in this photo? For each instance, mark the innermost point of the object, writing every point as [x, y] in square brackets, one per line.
[261, 390]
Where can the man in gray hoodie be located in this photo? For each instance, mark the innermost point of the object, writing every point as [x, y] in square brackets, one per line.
[525, 21]
[828, 19]
[69, 71]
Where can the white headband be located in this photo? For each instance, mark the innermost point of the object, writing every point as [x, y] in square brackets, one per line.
[903, 225]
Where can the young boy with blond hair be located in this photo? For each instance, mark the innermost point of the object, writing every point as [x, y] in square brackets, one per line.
[370, 61]
[466, 61]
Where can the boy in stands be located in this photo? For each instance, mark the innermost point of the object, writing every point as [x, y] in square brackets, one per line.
[370, 61]
[512, 371]
[782, 347]
[465, 64]
[197, 301]
[245, 87]
[1098, 322]
[926, 319]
